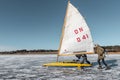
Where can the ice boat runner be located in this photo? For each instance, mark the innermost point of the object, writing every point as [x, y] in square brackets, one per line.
[75, 39]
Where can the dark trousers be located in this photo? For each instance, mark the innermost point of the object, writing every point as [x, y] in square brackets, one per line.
[85, 59]
[103, 61]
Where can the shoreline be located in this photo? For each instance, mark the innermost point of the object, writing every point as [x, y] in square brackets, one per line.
[44, 53]
[30, 53]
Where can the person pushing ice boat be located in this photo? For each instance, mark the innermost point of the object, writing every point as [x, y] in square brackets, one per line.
[84, 58]
[101, 55]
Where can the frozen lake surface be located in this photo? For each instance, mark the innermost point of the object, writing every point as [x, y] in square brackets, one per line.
[29, 67]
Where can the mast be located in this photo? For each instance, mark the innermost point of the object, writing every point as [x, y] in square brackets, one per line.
[63, 30]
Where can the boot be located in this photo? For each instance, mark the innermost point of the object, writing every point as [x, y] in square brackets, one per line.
[100, 67]
[107, 68]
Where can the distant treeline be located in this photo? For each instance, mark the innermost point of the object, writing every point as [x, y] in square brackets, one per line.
[24, 51]
[43, 51]
[112, 48]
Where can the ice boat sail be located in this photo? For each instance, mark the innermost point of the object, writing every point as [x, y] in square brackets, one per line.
[76, 37]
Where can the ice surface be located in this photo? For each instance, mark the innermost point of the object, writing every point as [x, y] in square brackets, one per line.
[29, 67]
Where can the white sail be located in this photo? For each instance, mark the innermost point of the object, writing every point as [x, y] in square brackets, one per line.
[76, 36]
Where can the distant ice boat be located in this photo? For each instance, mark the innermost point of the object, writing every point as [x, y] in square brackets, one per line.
[75, 39]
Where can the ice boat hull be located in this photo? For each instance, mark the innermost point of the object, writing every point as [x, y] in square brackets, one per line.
[67, 64]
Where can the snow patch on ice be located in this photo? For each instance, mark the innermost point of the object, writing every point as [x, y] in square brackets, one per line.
[29, 67]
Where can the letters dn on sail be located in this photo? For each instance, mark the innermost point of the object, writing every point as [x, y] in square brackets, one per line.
[78, 32]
